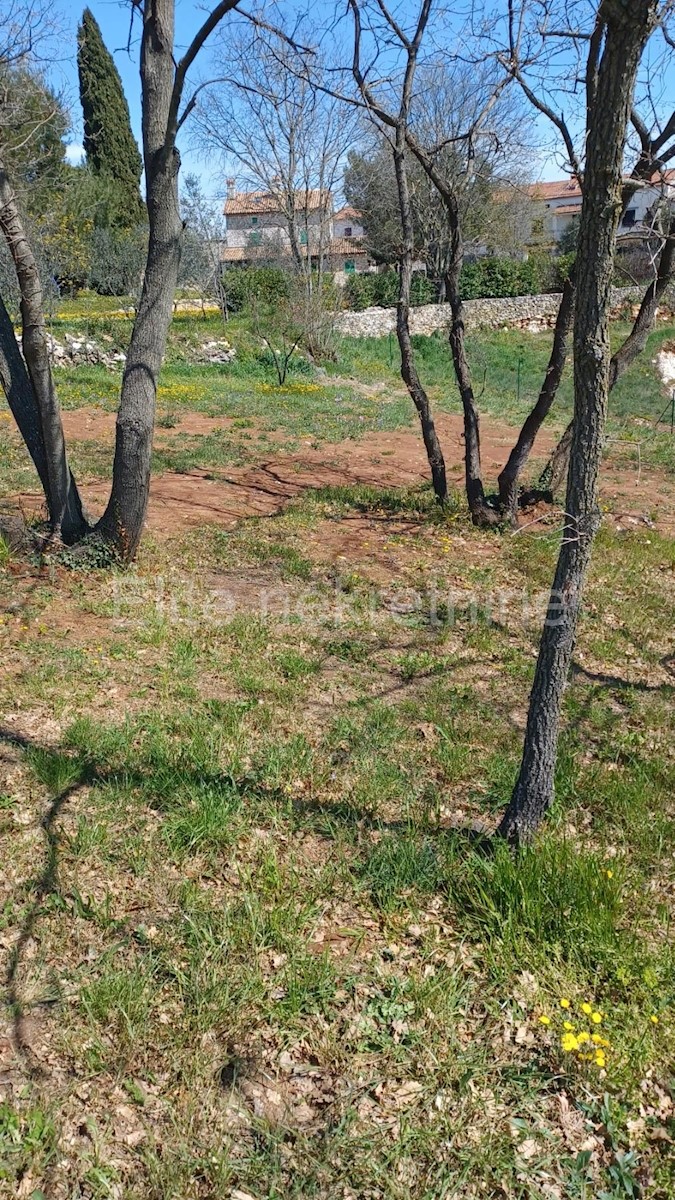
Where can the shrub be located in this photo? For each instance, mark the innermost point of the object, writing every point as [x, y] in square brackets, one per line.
[265, 285]
[117, 261]
[365, 291]
[558, 271]
[488, 277]
[483, 278]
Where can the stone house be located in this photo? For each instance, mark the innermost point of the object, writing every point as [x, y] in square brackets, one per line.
[258, 230]
[558, 206]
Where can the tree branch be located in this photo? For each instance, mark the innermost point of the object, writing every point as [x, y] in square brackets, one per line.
[183, 66]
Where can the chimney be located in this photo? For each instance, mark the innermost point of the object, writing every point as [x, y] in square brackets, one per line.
[230, 185]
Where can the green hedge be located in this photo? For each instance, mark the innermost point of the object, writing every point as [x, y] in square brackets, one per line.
[486, 277]
[483, 278]
[499, 277]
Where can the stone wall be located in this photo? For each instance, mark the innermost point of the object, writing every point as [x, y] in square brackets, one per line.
[527, 312]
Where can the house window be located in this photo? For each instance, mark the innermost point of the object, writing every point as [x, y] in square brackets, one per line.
[255, 239]
[254, 220]
[629, 217]
[348, 231]
[303, 237]
[350, 266]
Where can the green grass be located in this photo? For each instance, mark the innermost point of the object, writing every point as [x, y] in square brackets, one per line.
[508, 368]
[258, 941]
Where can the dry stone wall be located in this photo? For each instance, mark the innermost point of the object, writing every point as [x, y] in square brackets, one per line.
[536, 312]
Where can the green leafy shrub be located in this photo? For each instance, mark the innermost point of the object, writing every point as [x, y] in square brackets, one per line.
[483, 278]
[267, 285]
[488, 277]
[368, 290]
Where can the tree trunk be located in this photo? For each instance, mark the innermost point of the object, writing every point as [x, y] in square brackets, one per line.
[66, 517]
[123, 519]
[627, 27]
[556, 468]
[19, 392]
[408, 368]
[509, 477]
[644, 322]
[481, 512]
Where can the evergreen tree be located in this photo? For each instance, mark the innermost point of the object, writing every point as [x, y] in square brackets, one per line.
[109, 144]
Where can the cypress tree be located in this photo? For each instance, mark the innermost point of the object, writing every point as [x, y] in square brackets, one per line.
[109, 144]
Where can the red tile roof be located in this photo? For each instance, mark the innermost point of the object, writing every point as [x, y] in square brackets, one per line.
[347, 213]
[249, 203]
[348, 246]
[561, 189]
[567, 189]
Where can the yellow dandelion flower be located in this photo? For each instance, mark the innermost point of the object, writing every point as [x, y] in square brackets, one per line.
[596, 1018]
[564, 1003]
[654, 1019]
[597, 1040]
[569, 1042]
[609, 874]
[583, 1037]
[568, 1026]
[586, 1008]
[600, 1059]
[544, 1020]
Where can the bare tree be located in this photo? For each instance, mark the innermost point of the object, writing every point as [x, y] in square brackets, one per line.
[280, 135]
[205, 222]
[530, 57]
[27, 378]
[447, 151]
[482, 123]
[394, 124]
[615, 47]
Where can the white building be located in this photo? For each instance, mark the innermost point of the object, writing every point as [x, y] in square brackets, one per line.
[258, 229]
[560, 204]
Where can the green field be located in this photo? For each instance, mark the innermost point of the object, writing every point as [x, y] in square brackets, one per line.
[252, 946]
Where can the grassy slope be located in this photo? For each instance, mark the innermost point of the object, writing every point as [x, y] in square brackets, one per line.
[259, 958]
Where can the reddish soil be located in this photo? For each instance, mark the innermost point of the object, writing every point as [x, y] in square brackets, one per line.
[393, 459]
[94, 425]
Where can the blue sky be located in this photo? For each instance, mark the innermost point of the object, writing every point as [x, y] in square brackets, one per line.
[113, 18]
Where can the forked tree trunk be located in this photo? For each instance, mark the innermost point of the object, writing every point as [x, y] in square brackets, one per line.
[66, 517]
[556, 468]
[123, 519]
[482, 513]
[627, 25]
[408, 368]
[163, 81]
[509, 478]
[17, 387]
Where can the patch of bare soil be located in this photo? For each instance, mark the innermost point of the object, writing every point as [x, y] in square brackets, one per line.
[394, 459]
[96, 425]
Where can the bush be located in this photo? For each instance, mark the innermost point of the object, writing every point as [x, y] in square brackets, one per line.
[265, 285]
[558, 271]
[118, 260]
[488, 277]
[368, 290]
